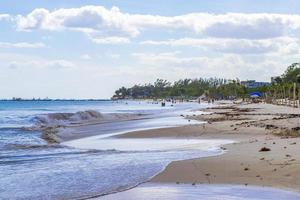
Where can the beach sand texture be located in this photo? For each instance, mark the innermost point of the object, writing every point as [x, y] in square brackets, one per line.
[247, 162]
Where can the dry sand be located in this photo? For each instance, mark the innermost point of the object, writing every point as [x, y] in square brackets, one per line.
[252, 126]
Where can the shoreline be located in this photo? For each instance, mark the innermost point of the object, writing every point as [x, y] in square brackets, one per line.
[205, 191]
[56, 134]
[61, 127]
[252, 126]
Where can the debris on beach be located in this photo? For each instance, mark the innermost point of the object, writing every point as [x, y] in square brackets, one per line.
[264, 149]
[296, 128]
[271, 126]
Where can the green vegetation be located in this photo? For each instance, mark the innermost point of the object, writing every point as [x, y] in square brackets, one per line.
[286, 86]
[217, 88]
[288, 133]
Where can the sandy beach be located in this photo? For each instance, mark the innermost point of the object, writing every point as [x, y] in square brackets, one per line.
[265, 152]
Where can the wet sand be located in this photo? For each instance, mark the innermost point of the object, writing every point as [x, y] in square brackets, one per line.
[252, 126]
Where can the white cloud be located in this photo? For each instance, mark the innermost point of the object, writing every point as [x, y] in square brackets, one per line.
[285, 45]
[110, 40]
[174, 65]
[40, 63]
[165, 59]
[113, 55]
[47, 37]
[5, 17]
[87, 19]
[85, 57]
[252, 26]
[114, 23]
[22, 45]
[59, 64]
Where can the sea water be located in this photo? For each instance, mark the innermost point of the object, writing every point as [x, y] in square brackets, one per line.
[30, 168]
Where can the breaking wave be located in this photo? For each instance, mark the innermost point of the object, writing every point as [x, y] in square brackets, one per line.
[81, 117]
[67, 118]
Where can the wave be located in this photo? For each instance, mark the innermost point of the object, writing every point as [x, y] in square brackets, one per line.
[53, 125]
[67, 118]
[83, 117]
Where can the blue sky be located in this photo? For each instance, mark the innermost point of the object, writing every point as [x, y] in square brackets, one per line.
[87, 49]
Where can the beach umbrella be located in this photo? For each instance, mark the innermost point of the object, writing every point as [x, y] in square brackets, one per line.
[254, 96]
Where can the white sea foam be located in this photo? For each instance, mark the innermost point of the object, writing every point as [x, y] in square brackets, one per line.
[151, 191]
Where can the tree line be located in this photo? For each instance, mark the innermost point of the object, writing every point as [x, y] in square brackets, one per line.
[217, 88]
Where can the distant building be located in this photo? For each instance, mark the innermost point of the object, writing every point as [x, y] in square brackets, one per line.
[254, 84]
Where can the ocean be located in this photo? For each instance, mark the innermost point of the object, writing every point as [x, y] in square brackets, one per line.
[30, 168]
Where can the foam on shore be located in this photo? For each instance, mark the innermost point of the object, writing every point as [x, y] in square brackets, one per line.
[152, 191]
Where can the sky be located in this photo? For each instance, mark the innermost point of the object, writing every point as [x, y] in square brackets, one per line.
[88, 49]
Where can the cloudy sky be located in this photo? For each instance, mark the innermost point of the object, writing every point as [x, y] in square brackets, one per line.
[87, 49]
